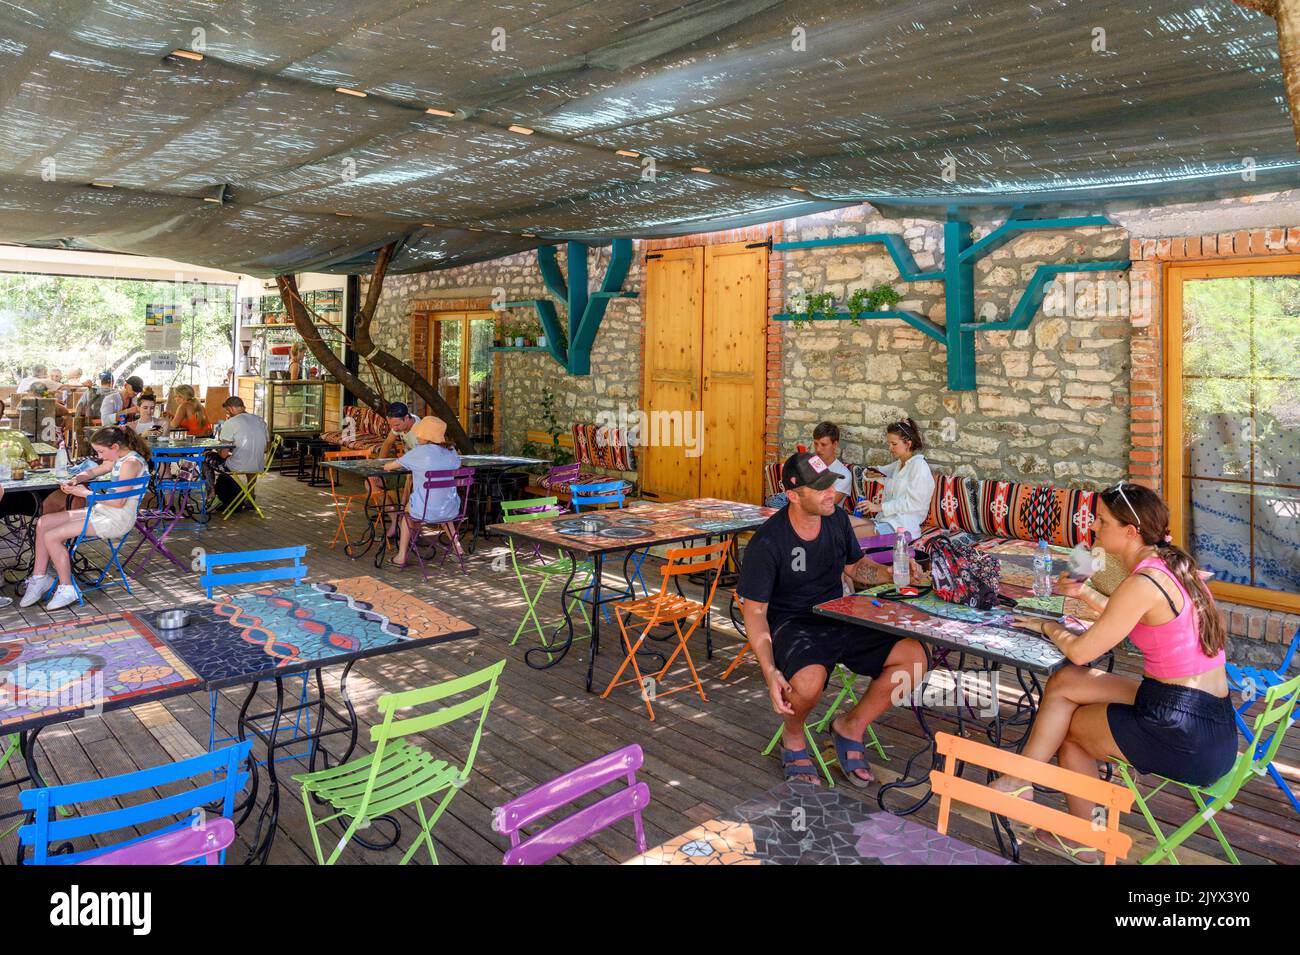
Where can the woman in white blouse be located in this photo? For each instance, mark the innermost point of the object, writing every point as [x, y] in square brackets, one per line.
[909, 485]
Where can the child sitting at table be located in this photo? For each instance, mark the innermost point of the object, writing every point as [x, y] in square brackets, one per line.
[148, 424]
[430, 453]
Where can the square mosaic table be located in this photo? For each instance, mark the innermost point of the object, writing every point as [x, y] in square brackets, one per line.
[639, 525]
[61, 671]
[268, 632]
[800, 824]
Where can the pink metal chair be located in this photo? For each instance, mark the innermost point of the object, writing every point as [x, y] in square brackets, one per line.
[176, 847]
[460, 479]
[581, 825]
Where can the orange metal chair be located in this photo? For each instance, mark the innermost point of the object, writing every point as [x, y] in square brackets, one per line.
[740, 625]
[669, 607]
[343, 502]
[949, 786]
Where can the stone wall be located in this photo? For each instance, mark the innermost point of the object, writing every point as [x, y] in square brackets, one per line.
[522, 377]
[1052, 401]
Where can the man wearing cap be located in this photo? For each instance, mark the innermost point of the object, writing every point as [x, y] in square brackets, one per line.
[400, 423]
[117, 405]
[798, 559]
[430, 505]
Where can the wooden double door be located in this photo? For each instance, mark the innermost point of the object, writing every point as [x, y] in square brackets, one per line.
[705, 368]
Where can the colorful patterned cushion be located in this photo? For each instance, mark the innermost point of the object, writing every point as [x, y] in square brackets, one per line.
[1057, 515]
[996, 499]
[864, 488]
[602, 447]
[954, 505]
[772, 478]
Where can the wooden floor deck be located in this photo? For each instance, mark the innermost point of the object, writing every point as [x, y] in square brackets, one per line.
[701, 757]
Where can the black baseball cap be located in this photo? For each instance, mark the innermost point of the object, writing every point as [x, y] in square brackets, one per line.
[136, 383]
[806, 470]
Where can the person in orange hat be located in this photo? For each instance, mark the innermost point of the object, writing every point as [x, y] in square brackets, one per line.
[431, 453]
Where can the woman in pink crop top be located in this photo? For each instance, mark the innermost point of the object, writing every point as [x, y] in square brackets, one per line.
[1178, 722]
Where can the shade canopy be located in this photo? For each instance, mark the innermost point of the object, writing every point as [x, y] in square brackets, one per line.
[250, 159]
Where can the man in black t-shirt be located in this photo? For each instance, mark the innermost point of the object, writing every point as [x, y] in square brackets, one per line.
[798, 559]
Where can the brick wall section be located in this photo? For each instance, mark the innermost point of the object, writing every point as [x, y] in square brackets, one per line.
[1255, 635]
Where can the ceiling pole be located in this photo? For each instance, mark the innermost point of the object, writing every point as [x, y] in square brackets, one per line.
[368, 351]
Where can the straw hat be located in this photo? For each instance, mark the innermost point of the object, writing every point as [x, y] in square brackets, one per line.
[430, 430]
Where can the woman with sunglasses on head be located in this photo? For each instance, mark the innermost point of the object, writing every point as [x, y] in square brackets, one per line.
[909, 485]
[1178, 722]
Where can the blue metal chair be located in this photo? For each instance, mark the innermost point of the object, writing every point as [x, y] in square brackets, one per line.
[605, 493]
[101, 493]
[210, 581]
[1252, 683]
[49, 803]
[179, 491]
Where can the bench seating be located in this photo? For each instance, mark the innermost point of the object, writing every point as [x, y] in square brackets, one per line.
[600, 454]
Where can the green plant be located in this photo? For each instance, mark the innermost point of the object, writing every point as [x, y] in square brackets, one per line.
[556, 452]
[870, 300]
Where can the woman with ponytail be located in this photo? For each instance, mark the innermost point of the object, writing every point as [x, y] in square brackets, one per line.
[123, 455]
[1178, 722]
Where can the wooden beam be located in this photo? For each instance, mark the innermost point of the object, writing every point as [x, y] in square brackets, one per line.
[1287, 15]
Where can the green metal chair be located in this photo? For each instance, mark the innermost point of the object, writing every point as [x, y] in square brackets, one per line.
[247, 481]
[531, 509]
[399, 773]
[847, 679]
[1270, 728]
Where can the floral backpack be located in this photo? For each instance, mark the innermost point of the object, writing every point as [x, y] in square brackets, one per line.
[961, 574]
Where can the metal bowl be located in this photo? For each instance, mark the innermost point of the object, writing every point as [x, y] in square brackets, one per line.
[173, 619]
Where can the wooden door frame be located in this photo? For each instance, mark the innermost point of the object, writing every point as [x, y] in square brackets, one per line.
[1175, 274]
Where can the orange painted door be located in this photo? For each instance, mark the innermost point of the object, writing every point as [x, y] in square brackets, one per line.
[734, 371]
[670, 385]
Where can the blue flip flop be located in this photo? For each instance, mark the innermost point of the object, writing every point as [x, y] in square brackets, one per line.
[852, 756]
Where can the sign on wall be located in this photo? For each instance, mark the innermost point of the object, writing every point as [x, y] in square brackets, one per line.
[162, 328]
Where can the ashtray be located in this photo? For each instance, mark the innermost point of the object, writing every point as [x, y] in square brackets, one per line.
[173, 619]
[590, 526]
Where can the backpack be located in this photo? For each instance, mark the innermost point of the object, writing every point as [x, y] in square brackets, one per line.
[961, 574]
[92, 400]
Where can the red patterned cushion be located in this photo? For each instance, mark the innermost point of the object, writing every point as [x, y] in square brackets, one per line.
[1080, 511]
[953, 505]
[995, 504]
[771, 478]
[1037, 513]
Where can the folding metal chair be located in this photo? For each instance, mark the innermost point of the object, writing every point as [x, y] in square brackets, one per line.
[294, 572]
[531, 509]
[180, 493]
[247, 481]
[343, 502]
[1252, 683]
[610, 494]
[669, 607]
[461, 479]
[103, 492]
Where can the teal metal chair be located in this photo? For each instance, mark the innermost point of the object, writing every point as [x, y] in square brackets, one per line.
[399, 774]
[1270, 728]
[531, 509]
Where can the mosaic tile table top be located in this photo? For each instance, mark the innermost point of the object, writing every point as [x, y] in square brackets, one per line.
[640, 524]
[188, 444]
[1017, 648]
[261, 633]
[799, 824]
[60, 671]
[33, 481]
[374, 467]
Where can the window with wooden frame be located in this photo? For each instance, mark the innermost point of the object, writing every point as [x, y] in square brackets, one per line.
[456, 352]
[1232, 423]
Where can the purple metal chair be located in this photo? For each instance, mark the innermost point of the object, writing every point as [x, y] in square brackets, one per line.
[460, 479]
[550, 797]
[880, 548]
[177, 847]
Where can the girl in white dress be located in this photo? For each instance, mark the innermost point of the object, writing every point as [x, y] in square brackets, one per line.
[909, 485]
[123, 455]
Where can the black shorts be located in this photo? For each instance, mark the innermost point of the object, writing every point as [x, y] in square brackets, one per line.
[810, 639]
[1175, 731]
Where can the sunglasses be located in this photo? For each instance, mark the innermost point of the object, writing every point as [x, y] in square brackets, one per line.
[1132, 510]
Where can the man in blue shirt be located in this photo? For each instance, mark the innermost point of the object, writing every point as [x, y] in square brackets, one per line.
[798, 559]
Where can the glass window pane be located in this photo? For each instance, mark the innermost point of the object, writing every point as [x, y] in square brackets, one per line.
[1277, 539]
[1217, 427]
[446, 361]
[1218, 529]
[1215, 343]
[480, 383]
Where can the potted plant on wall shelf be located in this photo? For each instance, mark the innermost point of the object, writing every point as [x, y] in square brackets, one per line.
[883, 296]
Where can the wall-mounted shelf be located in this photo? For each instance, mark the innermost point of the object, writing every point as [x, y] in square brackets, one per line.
[915, 319]
[544, 348]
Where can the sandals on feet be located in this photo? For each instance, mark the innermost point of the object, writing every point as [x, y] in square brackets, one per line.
[852, 756]
[1079, 855]
[790, 760]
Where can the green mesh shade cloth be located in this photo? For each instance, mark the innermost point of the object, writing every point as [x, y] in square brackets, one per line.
[901, 103]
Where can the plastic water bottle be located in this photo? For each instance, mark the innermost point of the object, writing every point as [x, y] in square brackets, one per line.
[61, 460]
[902, 568]
[1042, 571]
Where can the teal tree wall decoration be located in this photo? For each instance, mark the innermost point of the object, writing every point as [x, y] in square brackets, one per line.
[585, 309]
[960, 254]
